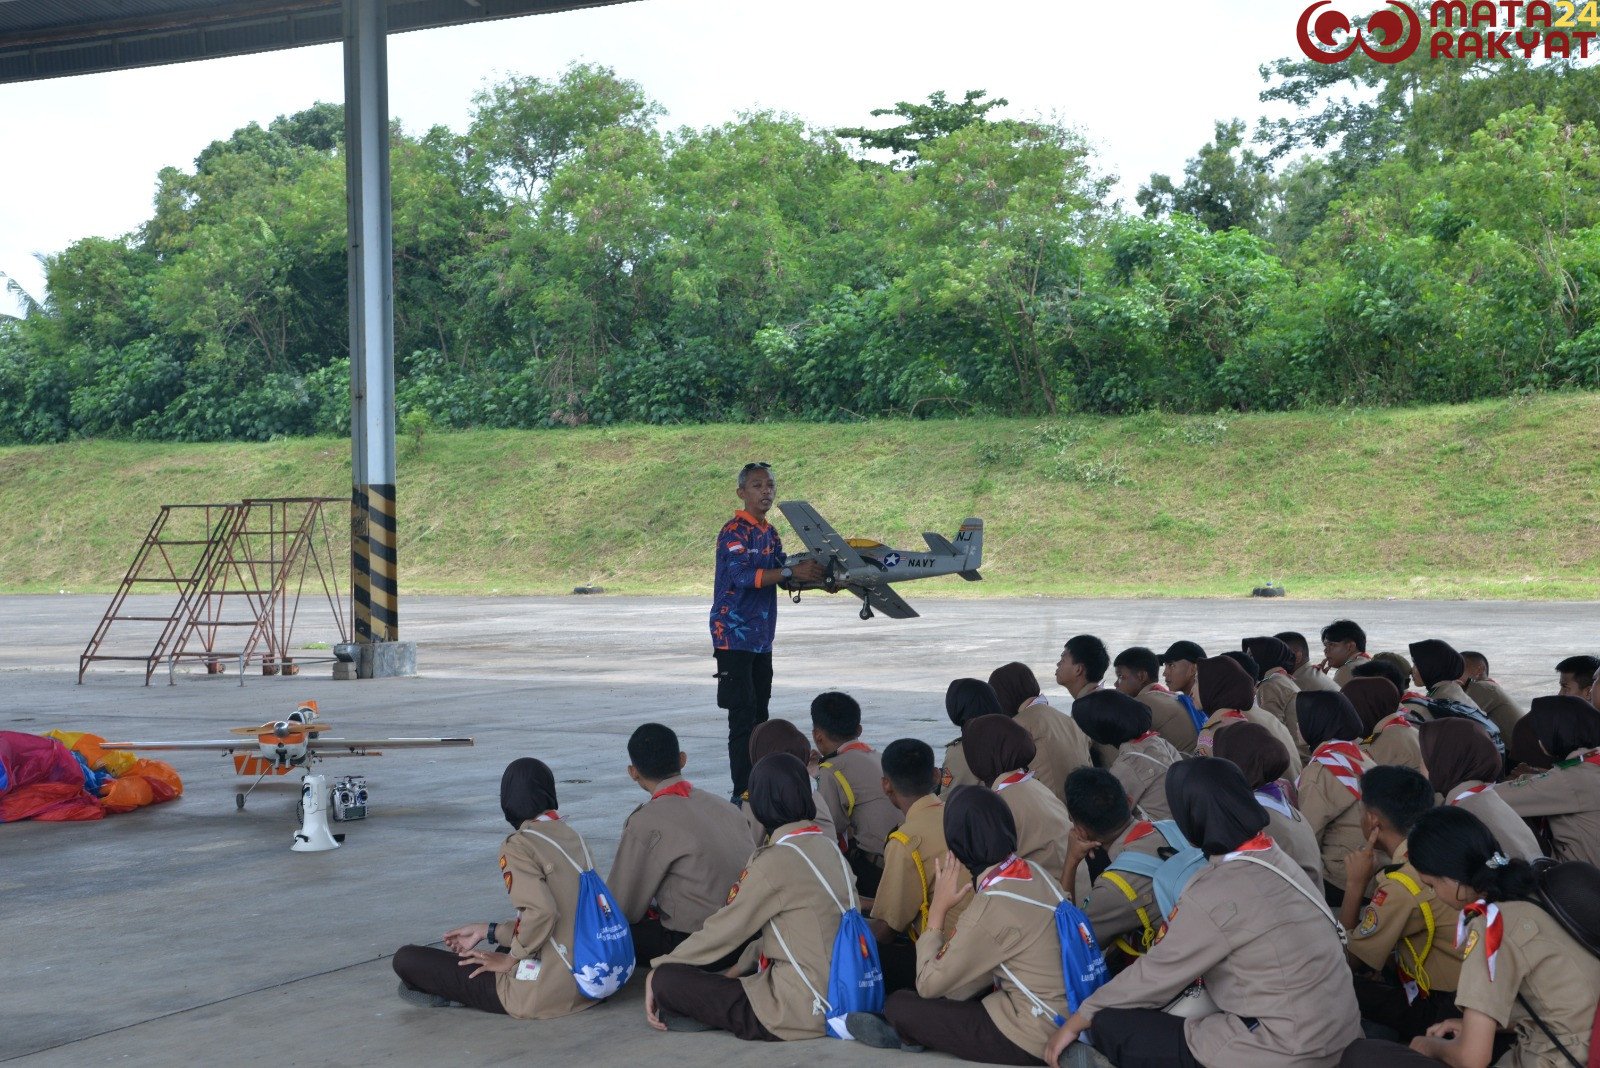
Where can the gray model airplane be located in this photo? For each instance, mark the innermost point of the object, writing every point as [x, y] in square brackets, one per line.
[868, 568]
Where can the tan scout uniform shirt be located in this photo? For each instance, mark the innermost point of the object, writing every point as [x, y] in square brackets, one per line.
[1537, 959]
[1041, 818]
[1393, 926]
[1111, 912]
[681, 852]
[1219, 720]
[779, 892]
[1496, 704]
[1508, 828]
[997, 930]
[758, 833]
[1168, 717]
[1062, 746]
[1346, 671]
[543, 886]
[1265, 952]
[857, 805]
[956, 770]
[1395, 742]
[1276, 693]
[907, 889]
[1292, 834]
[1307, 677]
[1141, 767]
[1569, 794]
[1334, 814]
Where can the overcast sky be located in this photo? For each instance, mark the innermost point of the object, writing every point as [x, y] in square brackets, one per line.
[80, 155]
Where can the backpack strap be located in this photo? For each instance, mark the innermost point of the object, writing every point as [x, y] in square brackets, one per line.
[1322, 906]
[922, 874]
[1428, 922]
[849, 883]
[587, 858]
[819, 1004]
[1039, 1007]
[1551, 1035]
[1149, 935]
[844, 784]
[1144, 756]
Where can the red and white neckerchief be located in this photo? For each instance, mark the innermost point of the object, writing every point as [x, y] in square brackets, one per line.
[1147, 735]
[1591, 757]
[1395, 719]
[852, 747]
[1254, 845]
[1011, 778]
[812, 829]
[1158, 688]
[1343, 759]
[1278, 671]
[1271, 796]
[1468, 792]
[680, 788]
[1493, 929]
[548, 817]
[1142, 829]
[1414, 695]
[1012, 867]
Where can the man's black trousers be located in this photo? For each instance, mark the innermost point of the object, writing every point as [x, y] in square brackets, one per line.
[744, 688]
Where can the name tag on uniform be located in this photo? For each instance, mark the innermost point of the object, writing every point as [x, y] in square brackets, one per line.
[529, 969]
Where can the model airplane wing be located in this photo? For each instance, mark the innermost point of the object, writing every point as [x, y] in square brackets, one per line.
[219, 745]
[883, 599]
[820, 537]
[318, 745]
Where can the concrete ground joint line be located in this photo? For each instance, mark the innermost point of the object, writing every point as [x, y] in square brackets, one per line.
[203, 1005]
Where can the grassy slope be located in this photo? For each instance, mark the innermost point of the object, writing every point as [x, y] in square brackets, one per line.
[1492, 499]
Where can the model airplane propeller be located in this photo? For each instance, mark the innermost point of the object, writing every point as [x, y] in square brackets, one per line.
[868, 568]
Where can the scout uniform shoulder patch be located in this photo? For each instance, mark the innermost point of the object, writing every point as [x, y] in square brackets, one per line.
[733, 891]
[505, 873]
[1369, 921]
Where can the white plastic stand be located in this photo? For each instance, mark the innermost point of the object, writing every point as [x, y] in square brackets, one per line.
[314, 835]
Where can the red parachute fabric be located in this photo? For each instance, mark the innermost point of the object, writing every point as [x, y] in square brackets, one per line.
[40, 779]
[49, 802]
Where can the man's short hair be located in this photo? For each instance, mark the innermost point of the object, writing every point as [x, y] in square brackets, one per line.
[836, 714]
[1477, 658]
[1383, 669]
[751, 468]
[1345, 630]
[1090, 653]
[1097, 799]
[1583, 669]
[1399, 794]
[909, 767]
[653, 751]
[1139, 658]
[1296, 641]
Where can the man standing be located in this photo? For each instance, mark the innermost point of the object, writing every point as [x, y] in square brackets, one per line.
[744, 612]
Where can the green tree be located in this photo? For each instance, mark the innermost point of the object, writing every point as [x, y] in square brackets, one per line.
[1224, 185]
[939, 117]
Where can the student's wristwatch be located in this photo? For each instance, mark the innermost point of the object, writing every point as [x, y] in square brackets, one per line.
[490, 936]
[786, 573]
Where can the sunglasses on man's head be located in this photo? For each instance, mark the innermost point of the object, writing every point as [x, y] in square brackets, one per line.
[759, 465]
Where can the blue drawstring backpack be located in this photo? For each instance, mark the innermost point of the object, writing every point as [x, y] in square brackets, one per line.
[1169, 874]
[1083, 965]
[855, 977]
[1195, 712]
[602, 957]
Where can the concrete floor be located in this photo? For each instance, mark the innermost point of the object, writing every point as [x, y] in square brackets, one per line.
[189, 932]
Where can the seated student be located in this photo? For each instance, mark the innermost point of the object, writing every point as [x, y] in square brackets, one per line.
[1463, 764]
[1568, 795]
[1137, 670]
[784, 910]
[1275, 687]
[1403, 943]
[1229, 697]
[781, 736]
[1344, 648]
[1391, 666]
[1252, 928]
[680, 851]
[964, 701]
[850, 783]
[1305, 673]
[1180, 671]
[1520, 969]
[1264, 762]
[1576, 675]
[1083, 664]
[1118, 722]
[1121, 906]
[1001, 750]
[899, 914]
[530, 982]
[1061, 745]
[989, 991]
[1488, 694]
[1330, 785]
[1438, 668]
[1388, 734]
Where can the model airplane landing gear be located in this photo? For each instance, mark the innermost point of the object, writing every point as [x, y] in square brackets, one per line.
[866, 611]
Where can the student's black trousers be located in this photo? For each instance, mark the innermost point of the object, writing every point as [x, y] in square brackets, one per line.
[714, 1000]
[438, 971]
[1142, 1038]
[960, 1028]
[744, 688]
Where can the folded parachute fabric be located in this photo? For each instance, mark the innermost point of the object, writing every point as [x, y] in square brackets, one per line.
[63, 775]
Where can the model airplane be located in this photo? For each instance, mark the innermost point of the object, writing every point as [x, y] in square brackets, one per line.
[868, 568]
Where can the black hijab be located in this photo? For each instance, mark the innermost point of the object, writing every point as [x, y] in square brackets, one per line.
[1213, 804]
[1254, 751]
[778, 736]
[1224, 684]
[995, 745]
[1375, 699]
[1436, 661]
[1455, 751]
[1269, 653]
[1013, 684]
[1110, 717]
[967, 699]
[979, 828]
[527, 790]
[780, 792]
[1564, 724]
[1326, 716]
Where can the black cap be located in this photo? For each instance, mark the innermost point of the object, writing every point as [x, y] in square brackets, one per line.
[1183, 651]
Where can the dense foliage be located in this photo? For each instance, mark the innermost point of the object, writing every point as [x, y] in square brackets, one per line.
[1426, 231]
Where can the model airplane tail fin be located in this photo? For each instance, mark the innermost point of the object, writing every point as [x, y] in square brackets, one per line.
[970, 538]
